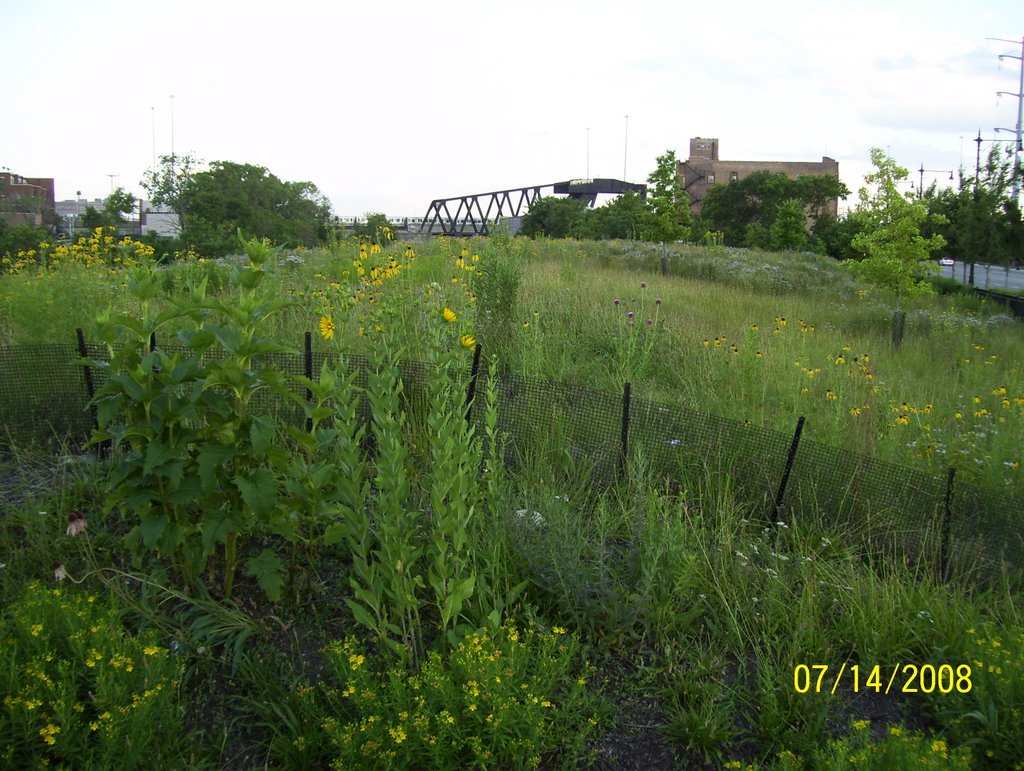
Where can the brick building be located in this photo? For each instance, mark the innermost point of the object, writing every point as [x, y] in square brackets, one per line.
[704, 168]
[26, 200]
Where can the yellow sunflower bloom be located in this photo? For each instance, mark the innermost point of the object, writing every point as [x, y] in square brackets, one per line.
[449, 315]
[326, 327]
[467, 341]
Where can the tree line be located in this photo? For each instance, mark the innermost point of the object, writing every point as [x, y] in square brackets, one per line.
[978, 221]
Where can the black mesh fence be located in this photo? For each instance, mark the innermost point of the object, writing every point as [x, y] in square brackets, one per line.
[895, 512]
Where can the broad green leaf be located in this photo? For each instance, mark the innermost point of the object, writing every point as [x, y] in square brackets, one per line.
[259, 491]
[133, 389]
[228, 337]
[268, 570]
[261, 434]
[211, 457]
[216, 526]
[152, 528]
[333, 534]
[157, 454]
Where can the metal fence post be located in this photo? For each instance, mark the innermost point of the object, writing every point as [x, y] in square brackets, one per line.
[947, 517]
[793, 445]
[627, 395]
[471, 389]
[307, 351]
[90, 387]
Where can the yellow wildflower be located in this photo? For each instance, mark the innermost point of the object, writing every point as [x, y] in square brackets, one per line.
[327, 327]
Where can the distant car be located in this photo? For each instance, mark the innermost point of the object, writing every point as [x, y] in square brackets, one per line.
[947, 261]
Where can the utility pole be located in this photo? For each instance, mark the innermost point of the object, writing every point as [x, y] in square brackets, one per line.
[112, 176]
[625, 150]
[1020, 111]
[922, 170]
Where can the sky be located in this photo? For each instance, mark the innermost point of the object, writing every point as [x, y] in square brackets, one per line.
[387, 105]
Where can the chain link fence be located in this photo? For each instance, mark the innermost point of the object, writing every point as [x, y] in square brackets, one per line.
[898, 513]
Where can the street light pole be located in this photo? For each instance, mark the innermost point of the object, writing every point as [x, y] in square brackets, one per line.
[1020, 112]
[625, 150]
[922, 170]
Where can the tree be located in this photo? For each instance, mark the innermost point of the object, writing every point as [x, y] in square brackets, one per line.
[376, 224]
[118, 205]
[553, 217]
[168, 184]
[895, 252]
[232, 196]
[668, 203]
[746, 209]
[625, 217]
[981, 219]
[788, 231]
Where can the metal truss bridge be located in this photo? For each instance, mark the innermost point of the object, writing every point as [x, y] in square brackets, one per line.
[470, 215]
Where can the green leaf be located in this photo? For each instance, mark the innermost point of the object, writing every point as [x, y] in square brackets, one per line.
[228, 337]
[133, 389]
[216, 526]
[152, 528]
[157, 454]
[333, 534]
[453, 603]
[268, 570]
[361, 615]
[261, 434]
[210, 458]
[259, 491]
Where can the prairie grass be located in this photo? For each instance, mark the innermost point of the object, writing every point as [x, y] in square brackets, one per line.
[649, 621]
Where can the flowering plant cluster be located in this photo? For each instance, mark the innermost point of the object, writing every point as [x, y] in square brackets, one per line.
[509, 696]
[81, 691]
[634, 335]
[100, 248]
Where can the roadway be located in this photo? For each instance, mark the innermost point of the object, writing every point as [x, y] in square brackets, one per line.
[992, 277]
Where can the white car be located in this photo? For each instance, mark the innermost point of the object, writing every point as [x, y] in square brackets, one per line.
[947, 261]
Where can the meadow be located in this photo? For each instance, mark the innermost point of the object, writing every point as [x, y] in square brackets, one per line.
[240, 593]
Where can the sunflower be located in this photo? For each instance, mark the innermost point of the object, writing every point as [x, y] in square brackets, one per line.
[467, 341]
[326, 327]
[449, 315]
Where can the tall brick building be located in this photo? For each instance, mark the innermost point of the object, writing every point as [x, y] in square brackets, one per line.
[704, 168]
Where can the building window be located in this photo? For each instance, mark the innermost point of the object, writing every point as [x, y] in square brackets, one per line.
[733, 176]
[711, 178]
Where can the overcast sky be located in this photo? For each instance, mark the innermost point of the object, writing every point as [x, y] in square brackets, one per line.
[387, 105]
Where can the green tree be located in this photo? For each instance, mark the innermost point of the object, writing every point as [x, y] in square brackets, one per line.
[371, 230]
[168, 184]
[896, 254]
[626, 216]
[553, 217]
[668, 203]
[788, 231]
[756, 200]
[232, 196]
[981, 220]
[19, 238]
[119, 204]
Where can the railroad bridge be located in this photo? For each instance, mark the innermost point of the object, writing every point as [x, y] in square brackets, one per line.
[467, 215]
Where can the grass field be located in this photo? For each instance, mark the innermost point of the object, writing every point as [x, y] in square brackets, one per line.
[318, 599]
